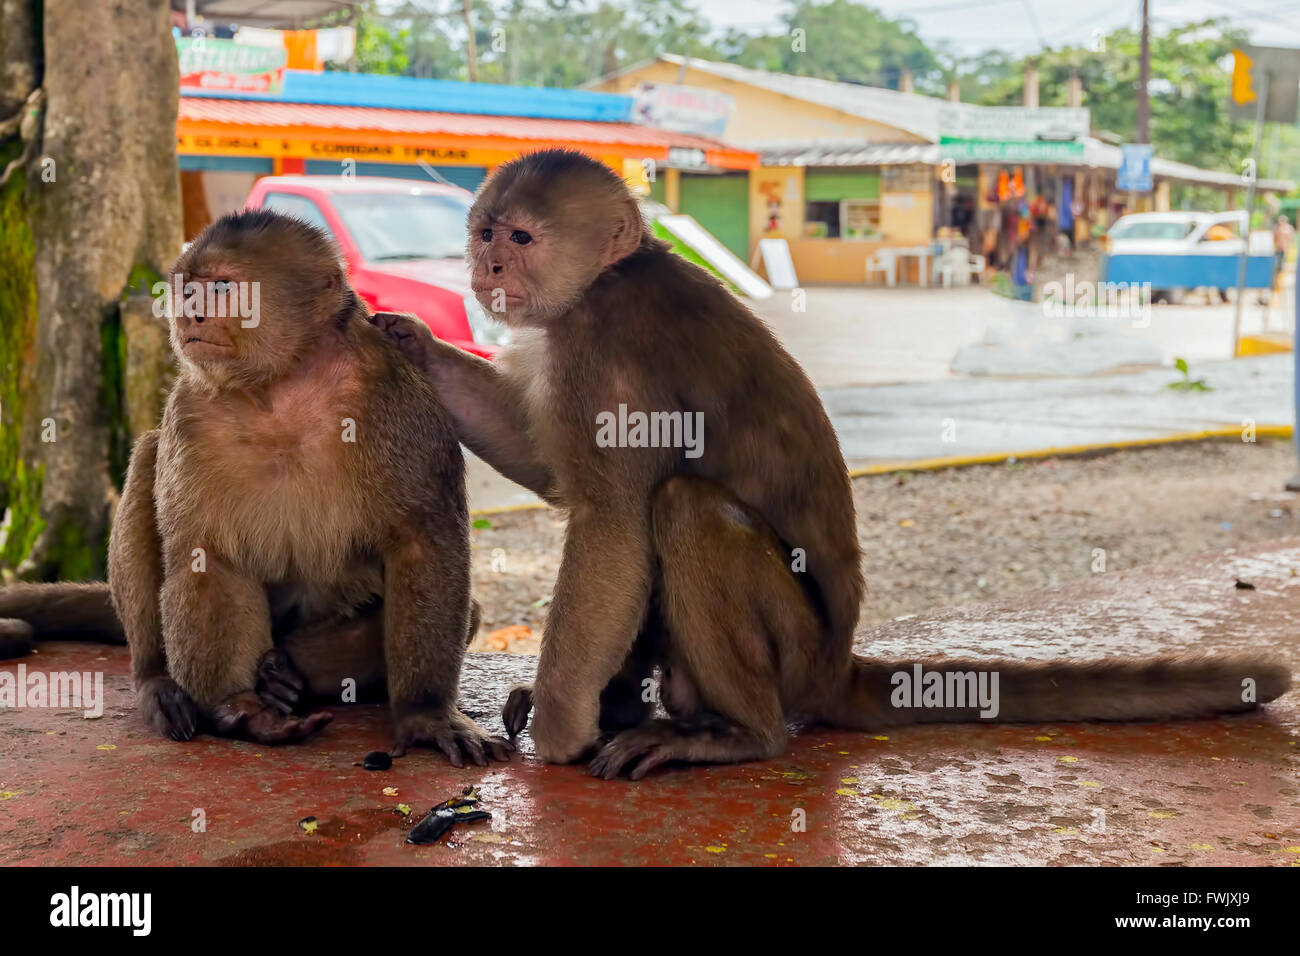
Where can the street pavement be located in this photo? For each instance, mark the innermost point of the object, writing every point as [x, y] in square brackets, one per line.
[881, 361]
[978, 416]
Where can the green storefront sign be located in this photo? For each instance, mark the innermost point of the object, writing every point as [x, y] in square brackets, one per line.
[1008, 151]
[1012, 134]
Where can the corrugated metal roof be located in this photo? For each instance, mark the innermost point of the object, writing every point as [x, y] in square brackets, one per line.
[846, 153]
[1096, 154]
[287, 116]
[911, 112]
[289, 13]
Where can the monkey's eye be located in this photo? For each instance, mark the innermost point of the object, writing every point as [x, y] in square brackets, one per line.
[521, 237]
[486, 235]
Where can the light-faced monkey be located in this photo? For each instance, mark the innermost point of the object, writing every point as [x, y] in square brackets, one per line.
[298, 519]
[734, 566]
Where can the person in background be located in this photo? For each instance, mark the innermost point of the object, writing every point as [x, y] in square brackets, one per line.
[1283, 235]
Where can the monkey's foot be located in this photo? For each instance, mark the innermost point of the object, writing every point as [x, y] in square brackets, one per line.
[451, 732]
[167, 708]
[406, 332]
[519, 704]
[707, 738]
[651, 744]
[279, 684]
[244, 715]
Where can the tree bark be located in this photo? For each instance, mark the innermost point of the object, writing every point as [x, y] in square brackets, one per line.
[103, 203]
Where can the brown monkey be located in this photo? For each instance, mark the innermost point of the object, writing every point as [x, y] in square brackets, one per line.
[299, 518]
[693, 558]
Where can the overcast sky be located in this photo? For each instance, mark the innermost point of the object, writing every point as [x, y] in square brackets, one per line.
[1023, 26]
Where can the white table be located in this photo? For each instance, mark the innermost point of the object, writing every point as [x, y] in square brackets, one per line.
[920, 253]
[893, 253]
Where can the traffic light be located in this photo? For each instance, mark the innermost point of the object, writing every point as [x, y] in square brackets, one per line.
[1264, 73]
[1243, 92]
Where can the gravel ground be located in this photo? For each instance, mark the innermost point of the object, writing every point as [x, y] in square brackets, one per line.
[934, 539]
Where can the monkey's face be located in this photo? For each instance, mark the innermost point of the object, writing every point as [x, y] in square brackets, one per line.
[523, 269]
[541, 231]
[244, 309]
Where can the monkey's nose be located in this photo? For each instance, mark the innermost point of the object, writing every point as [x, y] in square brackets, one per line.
[496, 268]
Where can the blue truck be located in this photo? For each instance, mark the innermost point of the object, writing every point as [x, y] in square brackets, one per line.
[1179, 251]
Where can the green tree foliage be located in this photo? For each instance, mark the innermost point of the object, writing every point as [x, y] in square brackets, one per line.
[411, 39]
[560, 43]
[844, 41]
[565, 43]
[1188, 90]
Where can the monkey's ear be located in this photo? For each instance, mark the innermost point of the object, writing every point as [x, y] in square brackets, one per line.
[627, 232]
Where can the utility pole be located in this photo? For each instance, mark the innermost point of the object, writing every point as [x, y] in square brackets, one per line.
[1260, 110]
[1144, 78]
[1143, 131]
[1294, 483]
[471, 52]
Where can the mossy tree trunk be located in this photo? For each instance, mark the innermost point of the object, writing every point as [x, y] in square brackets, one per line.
[99, 196]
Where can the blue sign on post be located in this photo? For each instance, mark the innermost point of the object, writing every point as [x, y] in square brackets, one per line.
[1135, 168]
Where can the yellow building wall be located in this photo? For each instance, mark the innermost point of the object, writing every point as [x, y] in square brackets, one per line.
[673, 189]
[761, 114]
[775, 191]
[844, 261]
[906, 218]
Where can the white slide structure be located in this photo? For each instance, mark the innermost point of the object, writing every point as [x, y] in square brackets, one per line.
[707, 247]
[778, 263]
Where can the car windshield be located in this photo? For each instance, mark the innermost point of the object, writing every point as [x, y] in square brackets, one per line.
[389, 226]
[1152, 230]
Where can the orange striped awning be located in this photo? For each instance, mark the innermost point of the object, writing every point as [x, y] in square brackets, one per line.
[250, 127]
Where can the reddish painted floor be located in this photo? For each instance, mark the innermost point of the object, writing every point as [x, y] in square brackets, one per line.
[78, 791]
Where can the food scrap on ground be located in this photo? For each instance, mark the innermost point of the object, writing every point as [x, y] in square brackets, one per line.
[462, 809]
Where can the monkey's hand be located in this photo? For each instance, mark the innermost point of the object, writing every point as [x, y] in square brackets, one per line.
[519, 705]
[243, 715]
[450, 731]
[167, 708]
[279, 684]
[409, 334]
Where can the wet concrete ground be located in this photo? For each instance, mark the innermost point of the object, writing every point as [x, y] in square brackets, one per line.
[980, 416]
[1216, 792]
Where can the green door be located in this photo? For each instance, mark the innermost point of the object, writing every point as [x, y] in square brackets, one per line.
[721, 205]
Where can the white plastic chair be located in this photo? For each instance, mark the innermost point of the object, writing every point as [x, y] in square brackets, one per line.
[944, 270]
[977, 265]
[882, 263]
[953, 267]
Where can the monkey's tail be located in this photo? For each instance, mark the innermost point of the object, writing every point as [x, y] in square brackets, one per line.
[883, 694]
[32, 612]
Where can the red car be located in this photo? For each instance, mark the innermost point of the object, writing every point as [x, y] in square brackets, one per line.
[404, 244]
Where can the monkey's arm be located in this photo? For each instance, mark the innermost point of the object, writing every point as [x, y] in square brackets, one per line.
[135, 563]
[426, 616]
[487, 410]
[135, 579]
[600, 599]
